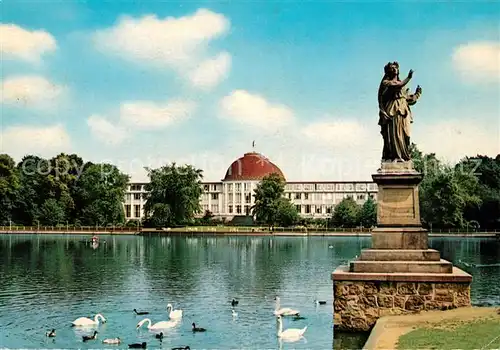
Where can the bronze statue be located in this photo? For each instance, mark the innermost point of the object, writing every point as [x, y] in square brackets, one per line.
[395, 116]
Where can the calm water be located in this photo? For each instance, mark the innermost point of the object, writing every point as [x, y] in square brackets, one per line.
[49, 281]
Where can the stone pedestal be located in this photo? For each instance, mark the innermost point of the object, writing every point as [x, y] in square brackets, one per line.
[399, 274]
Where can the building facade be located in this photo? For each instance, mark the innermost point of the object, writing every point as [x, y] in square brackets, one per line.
[233, 195]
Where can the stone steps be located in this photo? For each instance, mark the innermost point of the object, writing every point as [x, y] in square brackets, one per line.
[400, 255]
[441, 266]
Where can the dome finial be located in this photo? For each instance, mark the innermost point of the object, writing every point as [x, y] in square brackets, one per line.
[253, 145]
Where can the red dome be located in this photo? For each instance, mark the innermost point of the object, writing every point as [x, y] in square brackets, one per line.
[252, 166]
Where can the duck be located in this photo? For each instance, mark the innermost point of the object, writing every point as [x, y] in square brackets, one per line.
[90, 337]
[320, 302]
[159, 336]
[173, 314]
[198, 329]
[290, 333]
[85, 321]
[234, 313]
[116, 340]
[234, 302]
[285, 311]
[142, 345]
[182, 348]
[51, 333]
[141, 312]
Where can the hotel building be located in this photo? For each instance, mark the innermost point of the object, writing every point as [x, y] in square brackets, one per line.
[233, 195]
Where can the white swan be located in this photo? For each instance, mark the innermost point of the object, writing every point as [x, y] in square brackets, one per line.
[174, 314]
[85, 321]
[285, 311]
[290, 333]
[158, 325]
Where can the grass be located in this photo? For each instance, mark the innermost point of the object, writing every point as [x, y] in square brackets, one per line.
[477, 334]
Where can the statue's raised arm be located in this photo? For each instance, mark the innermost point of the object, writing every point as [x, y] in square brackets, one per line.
[395, 115]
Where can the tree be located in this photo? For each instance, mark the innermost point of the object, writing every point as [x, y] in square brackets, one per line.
[270, 207]
[99, 192]
[346, 213]
[9, 187]
[173, 196]
[446, 192]
[52, 213]
[367, 216]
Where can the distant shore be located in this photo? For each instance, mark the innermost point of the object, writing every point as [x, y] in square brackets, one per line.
[210, 231]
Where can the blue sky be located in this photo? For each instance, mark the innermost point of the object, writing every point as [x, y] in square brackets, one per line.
[144, 83]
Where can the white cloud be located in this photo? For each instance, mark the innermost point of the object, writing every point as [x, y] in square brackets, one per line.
[478, 61]
[30, 91]
[337, 132]
[151, 115]
[44, 141]
[19, 43]
[105, 131]
[210, 72]
[135, 115]
[178, 43]
[453, 140]
[252, 110]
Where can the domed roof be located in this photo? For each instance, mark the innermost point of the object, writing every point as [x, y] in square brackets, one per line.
[252, 166]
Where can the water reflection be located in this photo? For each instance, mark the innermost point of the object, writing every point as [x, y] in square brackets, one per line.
[48, 281]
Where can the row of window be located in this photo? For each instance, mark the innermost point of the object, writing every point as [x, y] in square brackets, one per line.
[137, 211]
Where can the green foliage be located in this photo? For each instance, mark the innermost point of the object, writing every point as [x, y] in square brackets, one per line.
[64, 189]
[270, 207]
[173, 196]
[447, 193]
[346, 213]
[367, 215]
[9, 187]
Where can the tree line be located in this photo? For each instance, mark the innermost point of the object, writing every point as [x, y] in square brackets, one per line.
[62, 190]
[66, 189]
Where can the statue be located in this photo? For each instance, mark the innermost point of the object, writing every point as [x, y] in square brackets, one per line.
[395, 116]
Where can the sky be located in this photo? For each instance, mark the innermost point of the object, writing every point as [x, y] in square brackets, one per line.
[145, 83]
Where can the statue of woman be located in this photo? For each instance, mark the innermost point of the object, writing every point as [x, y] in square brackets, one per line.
[394, 113]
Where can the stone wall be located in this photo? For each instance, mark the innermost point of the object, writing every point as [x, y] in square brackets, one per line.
[358, 304]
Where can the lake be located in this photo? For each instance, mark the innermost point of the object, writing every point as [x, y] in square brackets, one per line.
[50, 280]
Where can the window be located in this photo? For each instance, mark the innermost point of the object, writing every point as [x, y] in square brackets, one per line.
[328, 210]
[238, 209]
[248, 198]
[137, 211]
[246, 186]
[127, 210]
[308, 209]
[214, 187]
[214, 208]
[238, 198]
[298, 208]
[247, 210]
[361, 196]
[318, 209]
[230, 187]
[237, 187]
[230, 209]
[230, 198]
[137, 196]
[215, 196]
[297, 195]
[129, 196]
[205, 187]
[306, 195]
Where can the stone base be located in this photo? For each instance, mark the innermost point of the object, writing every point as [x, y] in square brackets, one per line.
[400, 255]
[361, 298]
[441, 266]
[399, 238]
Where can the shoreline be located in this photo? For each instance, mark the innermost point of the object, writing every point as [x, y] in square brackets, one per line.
[387, 331]
[151, 233]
